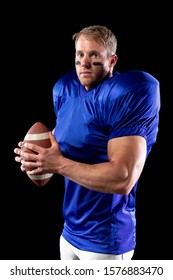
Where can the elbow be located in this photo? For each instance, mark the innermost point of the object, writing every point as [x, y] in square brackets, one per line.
[127, 180]
[124, 189]
[124, 185]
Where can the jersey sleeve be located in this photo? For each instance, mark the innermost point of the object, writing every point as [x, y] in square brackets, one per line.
[134, 107]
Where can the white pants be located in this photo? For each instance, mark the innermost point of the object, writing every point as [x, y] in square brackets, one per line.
[69, 252]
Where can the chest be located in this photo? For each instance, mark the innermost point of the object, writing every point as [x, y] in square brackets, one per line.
[80, 128]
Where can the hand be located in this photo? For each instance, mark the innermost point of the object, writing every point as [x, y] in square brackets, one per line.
[18, 151]
[39, 160]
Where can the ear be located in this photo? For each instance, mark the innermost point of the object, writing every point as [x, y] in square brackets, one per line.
[113, 60]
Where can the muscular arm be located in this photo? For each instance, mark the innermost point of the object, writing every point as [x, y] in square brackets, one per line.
[126, 160]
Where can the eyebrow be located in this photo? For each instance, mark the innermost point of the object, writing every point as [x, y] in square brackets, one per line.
[90, 52]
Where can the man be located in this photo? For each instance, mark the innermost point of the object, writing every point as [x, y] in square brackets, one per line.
[106, 125]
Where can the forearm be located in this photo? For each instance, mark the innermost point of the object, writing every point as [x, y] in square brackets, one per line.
[103, 177]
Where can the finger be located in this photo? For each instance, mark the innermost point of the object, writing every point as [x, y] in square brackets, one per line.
[22, 167]
[20, 144]
[18, 159]
[17, 151]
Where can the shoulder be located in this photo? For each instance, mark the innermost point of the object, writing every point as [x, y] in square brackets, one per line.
[135, 83]
[135, 77]
[69, 79]
[133, 88]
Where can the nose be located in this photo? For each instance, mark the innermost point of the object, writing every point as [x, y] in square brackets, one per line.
[86, 61]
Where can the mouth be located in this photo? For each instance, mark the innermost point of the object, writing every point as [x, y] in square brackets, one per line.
[85, 73]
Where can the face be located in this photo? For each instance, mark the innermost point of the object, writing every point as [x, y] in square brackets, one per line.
[92, 62]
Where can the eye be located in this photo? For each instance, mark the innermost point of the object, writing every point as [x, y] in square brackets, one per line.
[95, 55]
[79, 55]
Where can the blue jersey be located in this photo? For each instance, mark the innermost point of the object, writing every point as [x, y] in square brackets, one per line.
[126, 104]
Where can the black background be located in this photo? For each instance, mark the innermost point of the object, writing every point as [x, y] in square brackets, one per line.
[36, 49]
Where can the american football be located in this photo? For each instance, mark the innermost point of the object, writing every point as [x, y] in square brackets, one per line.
[38, 134]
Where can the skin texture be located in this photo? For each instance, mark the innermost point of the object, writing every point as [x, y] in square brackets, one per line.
[126, 154]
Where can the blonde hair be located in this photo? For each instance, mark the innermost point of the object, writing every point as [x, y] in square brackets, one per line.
[101, 34]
